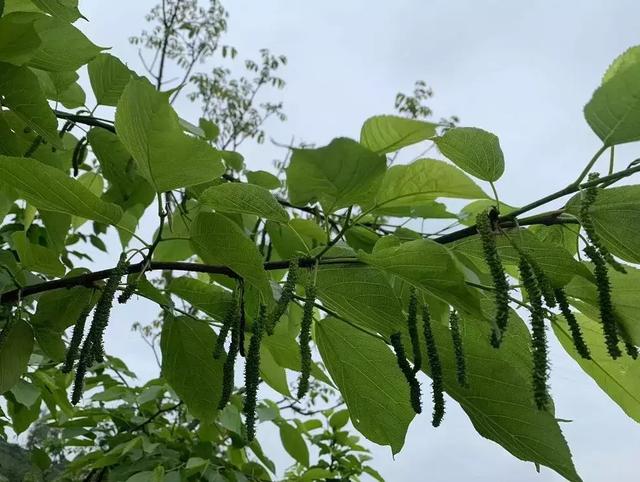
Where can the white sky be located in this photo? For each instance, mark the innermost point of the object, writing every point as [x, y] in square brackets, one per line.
[522, 70]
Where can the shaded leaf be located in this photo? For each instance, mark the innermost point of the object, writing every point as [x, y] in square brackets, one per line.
[241, 198]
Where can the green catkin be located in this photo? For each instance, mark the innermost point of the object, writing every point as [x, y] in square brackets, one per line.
[285, 297]
[412, 327]
[103, 310]
[631, 350]
[127, 292]
[546, 288]
[407, 371]
[81, 370]
[78, 155]
[574, 327]
[252, 374]
[229, 321]
[607, 318]
[538, 335]
[437, 386]
[305, 338]
[228, 370]
[456, 338]
[76, 339]
[242, 321]
[491, 256]
[589, 196]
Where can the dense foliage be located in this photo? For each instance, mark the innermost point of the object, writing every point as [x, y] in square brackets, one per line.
[318, 268]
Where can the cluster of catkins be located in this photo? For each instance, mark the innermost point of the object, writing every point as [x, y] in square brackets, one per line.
[435, 367]
[264, 323]
[540, 292]
[91, 350]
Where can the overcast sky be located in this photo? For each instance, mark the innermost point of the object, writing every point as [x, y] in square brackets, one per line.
[522, 70]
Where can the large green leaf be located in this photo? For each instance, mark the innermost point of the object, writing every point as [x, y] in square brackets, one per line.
[23, 95]
[425, 180]
[337, 175]
[474, 150]
[108, 77]
[48, 188]
[366, 372]
[361, 294]
[14, 354]
[57, 36]
[150, 130]
[428, 265]
[211, 299]
[619, 379]
[625, 294]
[614, 110]
[616, 219]
[189, 367]
[35, 257]
[241, 198]
[388, 133]
[218, 240]
[499, 398]
[18, 40]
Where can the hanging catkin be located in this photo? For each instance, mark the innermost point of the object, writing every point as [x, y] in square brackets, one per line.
[412, 328]
[437, 383]
[492, 258]
[229, 320]
[458, 349]
[285, 297]
[252, 373]
[574, 326]
[76, 338]
[305, 338]
[228, 370]
[607, 317]
[538, 336]
[407, 371]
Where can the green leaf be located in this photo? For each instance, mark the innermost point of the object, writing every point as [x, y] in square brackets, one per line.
[14, 354]
[428, 265]
[366, 372]
[273, 374]
[66, 10]
[619, 379]
[614, 110]
[388, 133]
[48, 188]
[218, 240]
[150, 130]
[241, 198]
[473, 150]
[499, 399]
[264, 179]
[35, 257]
[18, 40]
[189, 367]
[338, 175]
[467, 214]
[361, 294]
[616, 219]
[211, 299]
[339, 419]
[294, 444]
[23, 95]
[625, 60]
[210, 129]
[625, 294]
[108, 77]
[425, 180]
[61, 87]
